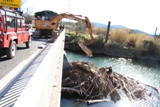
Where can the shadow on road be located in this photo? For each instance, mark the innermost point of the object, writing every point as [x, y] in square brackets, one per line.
[3, 56]
[4, 59]
[40, 38]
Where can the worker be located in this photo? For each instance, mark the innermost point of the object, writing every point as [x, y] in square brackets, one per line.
[109, 70]
[38, 18]
[62, 27]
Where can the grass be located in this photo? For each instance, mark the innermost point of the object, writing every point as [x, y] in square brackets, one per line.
[118, 36]
[142, 44]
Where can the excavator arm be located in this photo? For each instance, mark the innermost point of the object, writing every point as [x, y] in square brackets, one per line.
[52, 24]
[85, 19]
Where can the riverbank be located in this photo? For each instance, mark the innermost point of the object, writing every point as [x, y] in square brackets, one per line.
[112, 50]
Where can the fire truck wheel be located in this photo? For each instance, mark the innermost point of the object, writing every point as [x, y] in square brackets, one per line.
[11, 51]
[29, 42]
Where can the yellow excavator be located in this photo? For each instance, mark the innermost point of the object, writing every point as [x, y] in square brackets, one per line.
[49, 25]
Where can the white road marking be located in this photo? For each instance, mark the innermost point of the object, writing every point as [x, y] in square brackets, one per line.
[13, 73]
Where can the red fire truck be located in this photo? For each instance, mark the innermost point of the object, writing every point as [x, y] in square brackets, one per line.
[12, 31]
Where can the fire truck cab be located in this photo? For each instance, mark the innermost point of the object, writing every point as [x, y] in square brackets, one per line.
[12, 31]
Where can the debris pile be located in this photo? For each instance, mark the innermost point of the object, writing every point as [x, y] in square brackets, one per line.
[91, 82]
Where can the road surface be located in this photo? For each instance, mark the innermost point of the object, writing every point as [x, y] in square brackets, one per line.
[6, 65]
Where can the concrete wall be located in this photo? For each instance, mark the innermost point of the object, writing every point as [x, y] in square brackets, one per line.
[38, 91]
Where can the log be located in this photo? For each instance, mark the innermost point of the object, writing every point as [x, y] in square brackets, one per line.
[79, 85]
[85, 49]
[97, 101]
[70, 89]
[113, 90]
[156, 89]
[66, 79]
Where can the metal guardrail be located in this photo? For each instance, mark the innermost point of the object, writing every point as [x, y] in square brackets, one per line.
[32, 86]
[38, 91]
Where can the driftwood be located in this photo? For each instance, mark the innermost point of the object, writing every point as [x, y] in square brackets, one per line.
[70, 89]
[97, 101]
[91, 82]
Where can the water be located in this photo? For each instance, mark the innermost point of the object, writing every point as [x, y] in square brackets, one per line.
[145, 71]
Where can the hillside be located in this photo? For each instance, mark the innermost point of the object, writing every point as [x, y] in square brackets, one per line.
[119, 27]
[96, 24]
[105, 26]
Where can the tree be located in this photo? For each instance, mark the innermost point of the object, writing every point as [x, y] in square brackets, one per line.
[27, 12]
[23, 2]
[80, 27]
[44, 12]
[29, 18]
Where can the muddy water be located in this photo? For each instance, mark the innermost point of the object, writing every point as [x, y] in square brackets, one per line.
[145, 71]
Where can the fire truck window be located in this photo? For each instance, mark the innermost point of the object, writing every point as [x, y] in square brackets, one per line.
[10, 22]
[0, 22]
[43, 17]
[23, 23]
[18, 23]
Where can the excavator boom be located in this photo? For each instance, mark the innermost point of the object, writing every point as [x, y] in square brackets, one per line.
[53, 25]
[84, 19]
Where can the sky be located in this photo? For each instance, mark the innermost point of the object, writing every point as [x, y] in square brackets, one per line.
[143, 15]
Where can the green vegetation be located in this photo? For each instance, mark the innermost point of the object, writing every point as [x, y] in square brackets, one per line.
[44, 12]
[73, 37]
[142, 45]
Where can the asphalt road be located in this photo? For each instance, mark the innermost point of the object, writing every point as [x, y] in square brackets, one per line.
[6, 65]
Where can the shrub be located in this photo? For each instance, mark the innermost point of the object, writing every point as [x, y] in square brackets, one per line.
[99, 42]
[119, 35]
[136, 39]
[99, 31]
[146, 47]
[157, 43]
[73, 37]
[149, 47]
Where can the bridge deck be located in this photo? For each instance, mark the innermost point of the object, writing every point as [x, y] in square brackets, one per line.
[11, 95]
[39, 82]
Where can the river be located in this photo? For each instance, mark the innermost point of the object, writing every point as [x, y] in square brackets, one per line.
[145, 71]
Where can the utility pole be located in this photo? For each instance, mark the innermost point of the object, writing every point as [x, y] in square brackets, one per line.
[155, 32]
[70, 13]
[27, 11]
[27, 16]
[70, 8]
[108, 28]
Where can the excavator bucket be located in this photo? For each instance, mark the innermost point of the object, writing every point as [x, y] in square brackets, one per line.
[85, 49]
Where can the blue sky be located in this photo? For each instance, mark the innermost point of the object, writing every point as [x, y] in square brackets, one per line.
[135, 14]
